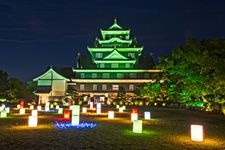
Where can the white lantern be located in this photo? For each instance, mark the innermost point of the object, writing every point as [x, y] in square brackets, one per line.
[71, 107]
[76, 110]
[75, 120]
[84, 110]
[147, 115]
[57, 107]
[197, 133]
[18, 106]
[32, 121]
[34, 113]
[91, 105]
[39, 107]
[3, 114]
[98, 110]
[137, 126]
[31, 107]
[51, 106]
[7, 109]
[60, 111]
[124, 107]
[117, 106]
[1, 108]
[121, 109]
[22, 111]
[134, 116]
[46, 107]
[110, 114]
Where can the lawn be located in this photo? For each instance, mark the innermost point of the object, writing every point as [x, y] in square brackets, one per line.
[168, 129]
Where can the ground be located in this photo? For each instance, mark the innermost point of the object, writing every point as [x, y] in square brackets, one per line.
[168, 129]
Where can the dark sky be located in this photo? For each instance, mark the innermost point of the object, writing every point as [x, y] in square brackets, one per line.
[38, 33]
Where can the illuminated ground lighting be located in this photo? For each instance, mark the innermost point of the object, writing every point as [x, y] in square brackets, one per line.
[134, 116]
[98, 109]
[147, 115]
[32, 121]
[84, 110]
[110, 114]
[18, 106]
[197, 133]
[7, 109]
[65, 125]
[117, 106]
[121, 109]
[1, 108]
[137, 126]
[75, 120]
[3, 113]
[124, 107]
[66, 114]
[31, 107]
[57, 107]
[22, 111]
[39, 108]
[47, 108]
[60, 111]
[91, 105]
[34, 113]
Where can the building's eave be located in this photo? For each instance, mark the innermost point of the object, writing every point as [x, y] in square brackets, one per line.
[118, 70]
[114, 80]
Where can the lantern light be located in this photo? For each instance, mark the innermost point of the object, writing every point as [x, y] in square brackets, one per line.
[84, 110]
[22, 111]
[1, 108]
[39, 107]
[51, 106]
[91, 105]
[46, 107]
[124, 107]
[3, 114]
[134, 116]
[75, 120]
[121, 109]
[117, 106]
[34, 113]
[76, 110]
[137, 126]
[57, 107]
[110, 114]
[147, 115]
[67, 114]
[98, 111]
[18, 106]
[32, 121]
[60, 111]
[197, 133]
[31, 107]
[7, 109]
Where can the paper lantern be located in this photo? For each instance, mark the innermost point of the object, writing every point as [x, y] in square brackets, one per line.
[84, 110]
[18, 106]
[46, 107]
[137, 126]
[1, 108]
[71, 107]
[39, 107]
[134, 116]
[22, 111]
[32, 121]
[76, 110]
[98, 110]
[75, 120]
[34, 113]
[197, 133]
[147, 115]
[124, 107]
[57, 107]
[60, 111]
[31, 107]
[7, 109]
[121, 109]
[51, 106]
[67, 114]
[110, 114]
[117, 106]
[3, 114]
[91, 105]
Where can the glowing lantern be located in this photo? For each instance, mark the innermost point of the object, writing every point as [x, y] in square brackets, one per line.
[155, 104]
[134, 110]
[51, 106]
[1, 108]
[3, 114]
[57, 107]
[121, 109]
[91, 105]
[22, 111]
[34, 113]
[110, 114]
[147, 115]
[134, 116]
[117, 106]
[67, 114]
[18, 106]
[39, 107]
[75, 120]
[71, 107]
[98, 111]
[124, 107]
[163, 104]
[21, 104]
[46, 107]
[32, 121]
[197, 133]
[31, 107]
[7, 109]
[76, 110]
[137, 126]
[84, 110]
[60, 110]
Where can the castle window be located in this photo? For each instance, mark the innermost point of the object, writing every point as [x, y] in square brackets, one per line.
[98, 55]
[94, 75]
[115, 65]
[104, 87]
[82, 87]
[82, 75]
[102, 65]
[105, 75]
[131, 87]
[115, 87]
[95, 87]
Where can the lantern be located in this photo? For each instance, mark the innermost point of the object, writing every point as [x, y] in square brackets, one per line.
[57, 107]
[91, 105]
[67, 114]
[60, 111]
[84, 110]
[18, 106]
[31, 107]
[7, 109]
[75, 120]
[134, 116]
[32, 121]
[197, 133]
[39, 107]
[98, 111]
[3, 114]
[1, 108]
[22, 111]
[76, 110]
[110, 114]
[51, 106]
[121, 109]
[137, 126]
[34, 113]
[147, 115]
[46, 107]
[124, 107]
[117, 106]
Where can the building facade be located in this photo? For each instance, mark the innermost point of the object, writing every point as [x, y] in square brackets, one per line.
[115, 65]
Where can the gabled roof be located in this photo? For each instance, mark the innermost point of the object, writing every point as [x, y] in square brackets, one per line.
[115, 55]
[115, 26]
[56, 72]
[43, 89]
[115, 39]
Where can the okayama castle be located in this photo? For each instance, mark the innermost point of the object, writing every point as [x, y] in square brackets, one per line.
[115, 63]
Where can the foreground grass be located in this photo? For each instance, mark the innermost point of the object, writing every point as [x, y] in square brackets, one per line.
[169, 129]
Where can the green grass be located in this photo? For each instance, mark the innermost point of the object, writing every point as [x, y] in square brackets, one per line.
[169, 129]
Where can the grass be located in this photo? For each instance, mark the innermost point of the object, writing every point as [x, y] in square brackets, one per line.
[169, 129]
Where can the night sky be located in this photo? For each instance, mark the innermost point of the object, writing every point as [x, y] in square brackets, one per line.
[38, 33]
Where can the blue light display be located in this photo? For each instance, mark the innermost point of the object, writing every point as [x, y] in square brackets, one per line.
[65, 125]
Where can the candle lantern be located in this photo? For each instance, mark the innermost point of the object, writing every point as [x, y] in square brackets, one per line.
[31, 107]
[60, 111]
[3, 114]
[121, 109]
[110, 114]
[84, 110]
[147, 115]
[39, 107]
[22, 111]
[34, 113]
[137, 126]
[197, 133]
[98, 111]
[67, 114]
[32, 121]
[91, 105]
[134, 116]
